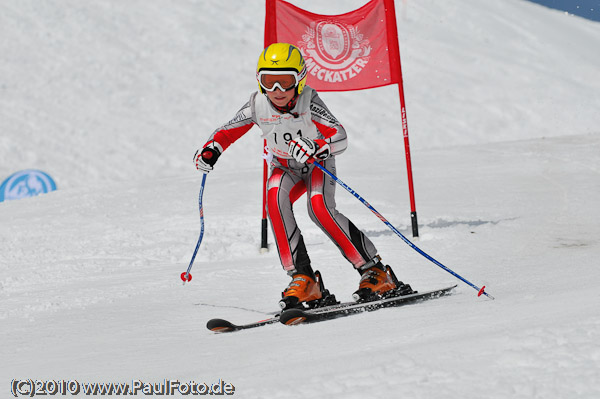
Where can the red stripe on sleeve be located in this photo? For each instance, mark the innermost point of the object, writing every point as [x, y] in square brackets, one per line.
[325, 130]
[227, 137]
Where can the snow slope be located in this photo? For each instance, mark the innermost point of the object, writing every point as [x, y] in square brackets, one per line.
[112, 98]
[116, 91]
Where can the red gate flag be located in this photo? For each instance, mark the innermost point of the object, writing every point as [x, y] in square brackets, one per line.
[352, 51]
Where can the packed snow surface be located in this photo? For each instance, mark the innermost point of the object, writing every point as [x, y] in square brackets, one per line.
[112, 99]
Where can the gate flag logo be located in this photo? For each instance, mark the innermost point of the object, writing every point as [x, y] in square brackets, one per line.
[352, 51]
[26, 183]
[334, 52]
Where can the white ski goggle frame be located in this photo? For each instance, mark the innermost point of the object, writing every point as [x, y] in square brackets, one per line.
[277, 84]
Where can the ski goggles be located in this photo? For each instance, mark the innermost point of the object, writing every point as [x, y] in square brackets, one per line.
[284, 80]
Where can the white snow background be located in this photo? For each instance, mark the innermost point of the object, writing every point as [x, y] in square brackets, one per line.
[112, 98]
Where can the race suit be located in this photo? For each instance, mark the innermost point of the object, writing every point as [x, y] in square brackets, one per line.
[289, 179]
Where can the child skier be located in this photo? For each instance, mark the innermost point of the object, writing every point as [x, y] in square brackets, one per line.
[299, 129]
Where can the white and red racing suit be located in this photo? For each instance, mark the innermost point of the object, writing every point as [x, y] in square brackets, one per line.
[289, 179]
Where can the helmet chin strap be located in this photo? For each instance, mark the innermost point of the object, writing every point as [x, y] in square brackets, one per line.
[289, 106]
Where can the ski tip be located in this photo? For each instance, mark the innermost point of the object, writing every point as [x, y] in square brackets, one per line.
[220, 325]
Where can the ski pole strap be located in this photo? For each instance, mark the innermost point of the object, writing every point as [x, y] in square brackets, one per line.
[395, 230]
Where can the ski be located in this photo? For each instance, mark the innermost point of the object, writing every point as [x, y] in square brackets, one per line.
[298, 316]
[221, 326]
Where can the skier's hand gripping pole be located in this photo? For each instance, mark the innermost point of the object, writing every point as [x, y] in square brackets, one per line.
[481, 291]
[187, 276]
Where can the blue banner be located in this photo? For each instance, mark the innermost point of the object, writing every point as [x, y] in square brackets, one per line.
[26, 183]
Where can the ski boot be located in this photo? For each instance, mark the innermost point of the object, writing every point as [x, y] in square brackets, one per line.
[379, 282]
[306, 292]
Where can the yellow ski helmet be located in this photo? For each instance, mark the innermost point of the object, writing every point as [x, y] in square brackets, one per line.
[277, 59]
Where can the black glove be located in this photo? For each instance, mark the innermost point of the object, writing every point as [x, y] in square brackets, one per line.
[206, 157]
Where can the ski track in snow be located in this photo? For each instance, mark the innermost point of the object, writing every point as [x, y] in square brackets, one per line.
[112, 99]
[110, 290]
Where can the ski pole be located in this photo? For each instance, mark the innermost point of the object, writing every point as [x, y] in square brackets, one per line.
[388, 224]
[186, 276]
